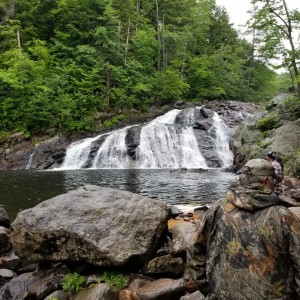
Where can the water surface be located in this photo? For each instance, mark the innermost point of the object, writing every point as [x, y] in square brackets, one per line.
[26, 188]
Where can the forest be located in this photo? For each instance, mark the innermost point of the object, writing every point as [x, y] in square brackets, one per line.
[64, 62]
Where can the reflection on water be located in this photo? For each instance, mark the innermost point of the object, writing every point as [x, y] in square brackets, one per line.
[24, 189]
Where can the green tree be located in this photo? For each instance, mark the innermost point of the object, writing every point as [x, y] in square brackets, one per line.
[278, 23]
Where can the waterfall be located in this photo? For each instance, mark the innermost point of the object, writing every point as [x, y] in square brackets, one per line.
[223, 134]
[112, 153]
[29, 161]
[168, 141]
[162, 145]
[77, 153]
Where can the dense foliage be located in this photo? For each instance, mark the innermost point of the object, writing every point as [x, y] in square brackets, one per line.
[62, 62]
[276, 31]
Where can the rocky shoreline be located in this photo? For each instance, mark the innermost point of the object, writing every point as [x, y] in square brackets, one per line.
[92, 231]
[95, 233]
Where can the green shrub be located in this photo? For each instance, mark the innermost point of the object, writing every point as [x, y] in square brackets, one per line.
[263, 144]
[115, 279]
[267, 123]
[72, 283]
[293, 163]
[109, 123]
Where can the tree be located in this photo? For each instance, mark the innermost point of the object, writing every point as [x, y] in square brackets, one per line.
[279, 25]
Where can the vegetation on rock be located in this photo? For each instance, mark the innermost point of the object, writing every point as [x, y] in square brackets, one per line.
[73, 283]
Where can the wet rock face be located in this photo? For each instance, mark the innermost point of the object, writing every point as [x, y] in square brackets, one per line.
[101, 226]
[132, 140]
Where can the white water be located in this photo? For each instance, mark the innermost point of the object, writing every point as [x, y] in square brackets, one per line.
[163, 144]
[112, 153]
[77, 154]
[223, 134]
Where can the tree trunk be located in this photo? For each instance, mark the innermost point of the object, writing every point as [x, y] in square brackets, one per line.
[127, 42]
[164, 52]
[18, 39]
[107, 92]
[293, 52]
[158, 36]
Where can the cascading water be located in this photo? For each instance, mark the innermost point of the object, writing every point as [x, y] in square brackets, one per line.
[112, 153]
[78, 153]
[162, 145]
[223, 134]
[169, 141]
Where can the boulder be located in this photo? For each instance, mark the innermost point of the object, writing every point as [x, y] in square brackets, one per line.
[162, 289]
[59, 295]
[100, 291]
[175, 211]
[291, 182]
[97, 225]
[6, 274]
[165, 265]
[195, 296]
[32, 285]
[10, 261]
[4, 218]
[182, 237]
[128, 295]
[5, 244]
[138, 283]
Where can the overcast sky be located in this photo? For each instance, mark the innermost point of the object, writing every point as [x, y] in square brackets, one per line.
[237, 9]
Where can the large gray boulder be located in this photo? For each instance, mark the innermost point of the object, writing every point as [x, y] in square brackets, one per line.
[97, 225]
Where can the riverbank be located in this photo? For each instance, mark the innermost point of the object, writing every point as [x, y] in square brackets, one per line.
[97, 233]
[101, 243]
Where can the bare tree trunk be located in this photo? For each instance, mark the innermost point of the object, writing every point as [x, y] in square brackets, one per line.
[164, 52]
[158, 36]
[107, 92]
[293, 52]
[127, 41]
[18, 39]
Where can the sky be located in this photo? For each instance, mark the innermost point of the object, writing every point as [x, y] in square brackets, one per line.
[237, 9]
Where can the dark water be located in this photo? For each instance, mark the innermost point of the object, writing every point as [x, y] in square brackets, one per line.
[24, 189]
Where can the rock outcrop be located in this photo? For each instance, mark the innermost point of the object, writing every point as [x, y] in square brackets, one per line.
[250, 142]
[98, 225]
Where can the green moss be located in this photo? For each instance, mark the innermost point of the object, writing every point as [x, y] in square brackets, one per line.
[267, 123]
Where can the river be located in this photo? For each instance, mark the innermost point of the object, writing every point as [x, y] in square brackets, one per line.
[24, 189]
